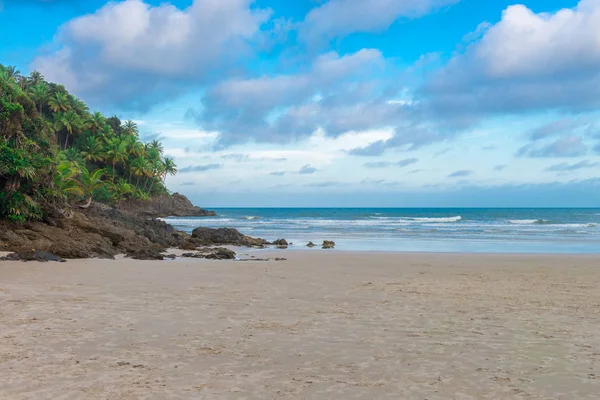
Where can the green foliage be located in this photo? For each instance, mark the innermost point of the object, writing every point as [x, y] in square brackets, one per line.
[53, 150]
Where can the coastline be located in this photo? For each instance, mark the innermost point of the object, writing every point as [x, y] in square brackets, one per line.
[323, 324]
[455, 230]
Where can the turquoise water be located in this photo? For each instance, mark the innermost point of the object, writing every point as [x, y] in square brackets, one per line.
[571, 231]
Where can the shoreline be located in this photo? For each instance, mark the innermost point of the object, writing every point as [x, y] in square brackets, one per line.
[275, 253]
[327, 324]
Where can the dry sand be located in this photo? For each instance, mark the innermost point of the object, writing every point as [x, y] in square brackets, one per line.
[318, 326]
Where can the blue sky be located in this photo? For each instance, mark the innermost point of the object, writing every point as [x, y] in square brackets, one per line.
[339, 102]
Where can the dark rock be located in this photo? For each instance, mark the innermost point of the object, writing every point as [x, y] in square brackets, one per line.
[281, 242]
[221, 254]
[188, 245]
[310, 244]
[34, 255]
[218, 253]
[176, 205]
[264, 259]
[151, 253]
[282, 247]
[97, 232]
[224, 236]
[328, 244]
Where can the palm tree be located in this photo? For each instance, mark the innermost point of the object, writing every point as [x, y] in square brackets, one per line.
[36, 78]
[5, 76]
[71, 122]
[13, 72]
[156, 145]
[139, 194]
[152, 154]
[72, 154]
[96, 122]
[59, 102]
[136, 147]
[40, 95]
[140, 168]
[91, 149]
[89, 183]
[107, 132]
[130, 128]
[120, 189]
[158, 168]
[64, 181]
[115, 152]
[23, 82]
[170, 168]
[79, 106]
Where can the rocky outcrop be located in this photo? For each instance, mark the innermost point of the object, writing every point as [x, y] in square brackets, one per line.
[328, 244]
[97, 232]
[35, 255]
[224, 236]
[176, 205]
[281, 243]
[219, 253]
[147, 253]
[311, 245]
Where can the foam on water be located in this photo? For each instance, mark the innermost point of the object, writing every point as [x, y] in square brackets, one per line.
[524, 221]
[496, 230]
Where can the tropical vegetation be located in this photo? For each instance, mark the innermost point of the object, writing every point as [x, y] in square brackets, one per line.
[55, 152]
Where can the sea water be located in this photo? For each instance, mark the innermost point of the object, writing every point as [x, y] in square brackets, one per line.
[465, 230]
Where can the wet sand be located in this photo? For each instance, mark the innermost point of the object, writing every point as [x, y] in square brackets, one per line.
[318, 326]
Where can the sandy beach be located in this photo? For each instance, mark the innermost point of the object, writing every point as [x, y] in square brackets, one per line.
[317, 326]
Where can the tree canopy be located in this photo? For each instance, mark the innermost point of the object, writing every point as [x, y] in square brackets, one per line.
[55, 152]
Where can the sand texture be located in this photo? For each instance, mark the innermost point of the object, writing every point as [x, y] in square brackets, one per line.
[318, 326]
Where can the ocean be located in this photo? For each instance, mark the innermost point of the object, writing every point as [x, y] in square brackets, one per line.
[463, 230]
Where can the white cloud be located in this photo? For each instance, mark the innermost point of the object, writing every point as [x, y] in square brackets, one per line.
[525, 62]
[129, 48]
[331, 95]
[341, 17]
[524, 43]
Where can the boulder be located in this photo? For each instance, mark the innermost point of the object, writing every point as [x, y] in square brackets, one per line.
[224, 236]
[32, 255]
[310, 244]
[219, 253]
[281, 242]
[328, 244]
[149, 253]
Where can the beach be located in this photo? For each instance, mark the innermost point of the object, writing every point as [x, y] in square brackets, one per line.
[320, 325]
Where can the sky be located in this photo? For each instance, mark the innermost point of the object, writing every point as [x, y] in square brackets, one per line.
[339, 103]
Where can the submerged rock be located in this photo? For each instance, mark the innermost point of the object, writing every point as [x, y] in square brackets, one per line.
[280, 242]
[328, 244]
[35, 255]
